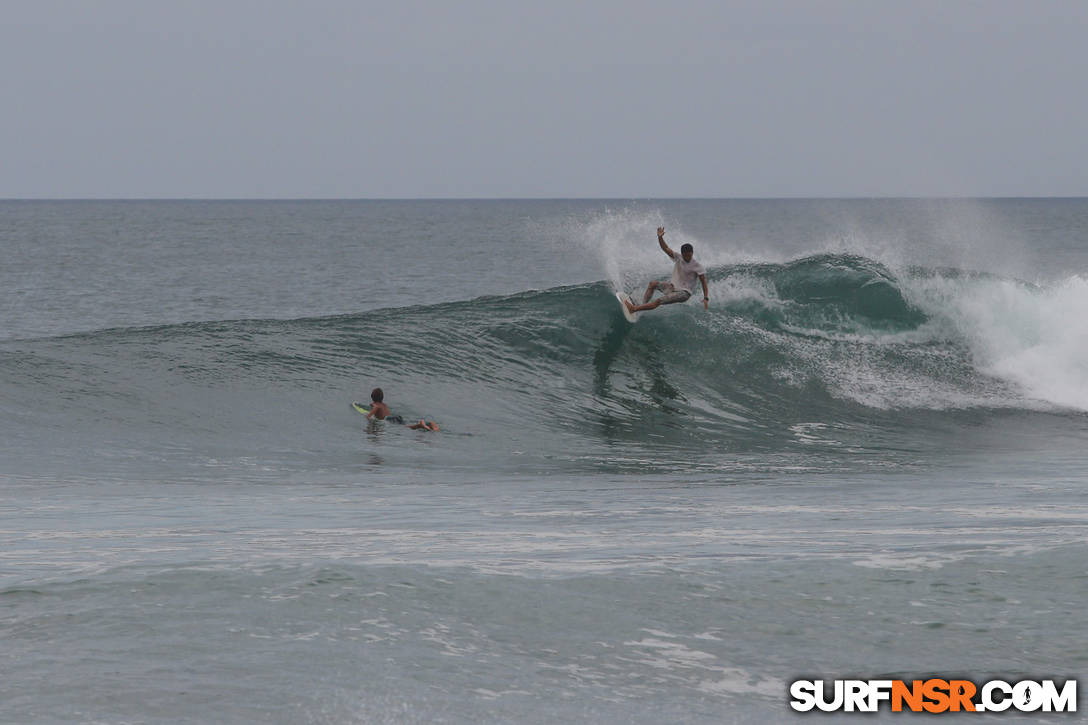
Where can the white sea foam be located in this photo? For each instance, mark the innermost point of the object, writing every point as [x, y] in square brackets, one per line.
[1034, 337]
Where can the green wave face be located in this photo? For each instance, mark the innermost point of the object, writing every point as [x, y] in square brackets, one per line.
[822, 357]
[830, 293]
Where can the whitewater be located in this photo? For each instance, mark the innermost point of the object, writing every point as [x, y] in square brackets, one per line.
[864, 460]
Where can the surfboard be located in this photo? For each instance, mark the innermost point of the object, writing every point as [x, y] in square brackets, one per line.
[631, 316]
[398, 419]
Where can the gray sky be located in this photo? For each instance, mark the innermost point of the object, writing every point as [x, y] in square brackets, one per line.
[473, 98]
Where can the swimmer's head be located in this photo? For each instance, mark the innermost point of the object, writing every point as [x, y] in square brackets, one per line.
[377, 395]
[686, 251]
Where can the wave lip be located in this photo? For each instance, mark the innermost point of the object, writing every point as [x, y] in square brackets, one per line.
[829, 354]
[853, 285]
[824, 294]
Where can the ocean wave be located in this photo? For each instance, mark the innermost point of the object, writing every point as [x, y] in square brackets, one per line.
[820, 345]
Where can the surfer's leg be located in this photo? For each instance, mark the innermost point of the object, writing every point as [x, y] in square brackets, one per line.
[631, 306]
[668, 291]
[670, 295]
[674, 296]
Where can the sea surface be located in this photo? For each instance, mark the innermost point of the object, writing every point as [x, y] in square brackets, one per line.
[866, 459]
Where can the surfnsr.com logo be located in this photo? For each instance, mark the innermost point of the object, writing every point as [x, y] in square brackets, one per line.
[934, 695]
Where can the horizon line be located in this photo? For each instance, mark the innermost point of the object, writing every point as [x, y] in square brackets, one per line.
[905, 197]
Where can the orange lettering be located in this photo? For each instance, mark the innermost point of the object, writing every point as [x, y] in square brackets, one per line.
[912, 695]
[961, 693]
[937, 692]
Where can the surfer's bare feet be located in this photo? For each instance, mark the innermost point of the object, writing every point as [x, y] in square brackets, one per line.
[629, 305]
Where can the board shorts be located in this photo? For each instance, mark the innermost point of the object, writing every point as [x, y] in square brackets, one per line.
[671, 293]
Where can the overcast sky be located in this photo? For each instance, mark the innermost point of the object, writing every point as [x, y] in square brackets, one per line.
[473, 98]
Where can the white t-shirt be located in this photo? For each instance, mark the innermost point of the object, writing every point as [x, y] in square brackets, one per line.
[684, 273]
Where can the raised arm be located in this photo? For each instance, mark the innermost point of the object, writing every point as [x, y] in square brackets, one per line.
[661, 241]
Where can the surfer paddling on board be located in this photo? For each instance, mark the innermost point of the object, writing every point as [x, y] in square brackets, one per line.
[379, 410]
[679, 288]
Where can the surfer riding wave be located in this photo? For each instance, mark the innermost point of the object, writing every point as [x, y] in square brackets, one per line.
[680, 287]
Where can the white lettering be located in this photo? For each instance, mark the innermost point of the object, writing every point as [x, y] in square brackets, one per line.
[1027, 696]
[879, 690]
[856, 696]
[1064, 701]
[829, 705]
[803, 693]
[992, 705]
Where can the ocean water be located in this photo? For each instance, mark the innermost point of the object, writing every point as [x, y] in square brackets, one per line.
[866, 459]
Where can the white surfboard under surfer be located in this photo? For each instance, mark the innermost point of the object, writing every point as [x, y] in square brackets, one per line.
[680, 286]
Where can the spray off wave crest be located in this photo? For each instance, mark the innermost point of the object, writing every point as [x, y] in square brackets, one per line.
[1022, 345]
[1036, 338]
[830, 352]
